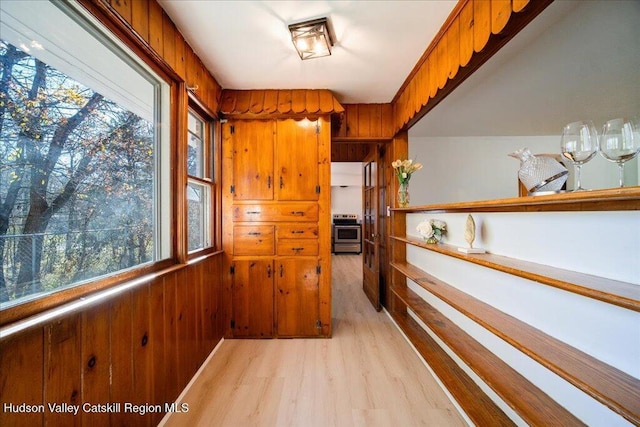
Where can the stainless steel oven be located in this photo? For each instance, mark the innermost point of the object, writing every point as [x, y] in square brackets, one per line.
[346, 234]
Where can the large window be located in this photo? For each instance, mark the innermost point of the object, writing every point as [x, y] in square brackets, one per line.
[200, 185]
[83, 157]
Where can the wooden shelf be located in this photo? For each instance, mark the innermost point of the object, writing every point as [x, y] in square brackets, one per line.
[533, 405]
[614, 292]
[610, 386]
[476, 404]
[619, 199]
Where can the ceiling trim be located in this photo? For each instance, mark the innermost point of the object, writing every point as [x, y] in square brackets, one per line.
[279, 102]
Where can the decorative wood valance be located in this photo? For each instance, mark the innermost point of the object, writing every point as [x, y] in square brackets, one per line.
[279, 102]
[475, 30]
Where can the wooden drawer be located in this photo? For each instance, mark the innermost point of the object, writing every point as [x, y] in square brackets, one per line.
[297, 231]
[297, 247]
[253, 240]
[290, 212]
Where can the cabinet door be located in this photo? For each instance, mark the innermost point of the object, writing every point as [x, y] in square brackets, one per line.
[252, 299]
[297, 297]
[253, 177]
[297, 159]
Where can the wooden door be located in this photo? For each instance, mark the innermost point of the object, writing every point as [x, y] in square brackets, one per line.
[253, 177]
[252, 303]
[298, 297]
[370, 232]
[297, 159]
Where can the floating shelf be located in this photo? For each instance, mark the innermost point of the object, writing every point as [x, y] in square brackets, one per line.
[619, 199]
[533, 405]
[614, 292]
[607, 384]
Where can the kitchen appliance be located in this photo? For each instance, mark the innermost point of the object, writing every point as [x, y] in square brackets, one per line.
[346, 234]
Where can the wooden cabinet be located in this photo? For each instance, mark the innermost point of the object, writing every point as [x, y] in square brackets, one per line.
[252, 298]
[297, 297]
[280, 156]
[253, 160]
[276, 227]
[297, 160]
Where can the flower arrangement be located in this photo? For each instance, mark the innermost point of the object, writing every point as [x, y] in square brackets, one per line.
[432, 230]
[404, 169]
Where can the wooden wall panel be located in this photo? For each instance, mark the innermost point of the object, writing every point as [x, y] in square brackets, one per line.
[170, 373]
[168, 41]
[157, 345]
[365, 121]
[62, 367]
[349, 152]
[123, 7]
[121, 355]
[155, 26]
[159, 34]
[140, 18]
[96, 363]
[180, 46]
[22, 377]
[142, 361]
[474, 31]
[121, 350]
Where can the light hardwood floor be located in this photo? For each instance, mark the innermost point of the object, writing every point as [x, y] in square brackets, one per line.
[366, 375]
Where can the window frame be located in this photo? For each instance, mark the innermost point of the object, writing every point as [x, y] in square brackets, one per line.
[211, 177]
[109, 24]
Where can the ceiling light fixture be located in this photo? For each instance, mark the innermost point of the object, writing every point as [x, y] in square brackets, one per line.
[311, 39]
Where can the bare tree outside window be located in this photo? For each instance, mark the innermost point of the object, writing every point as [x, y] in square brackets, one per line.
[76, 181]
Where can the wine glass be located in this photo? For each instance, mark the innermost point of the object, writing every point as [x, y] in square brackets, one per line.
[619, 143]
[579, 143]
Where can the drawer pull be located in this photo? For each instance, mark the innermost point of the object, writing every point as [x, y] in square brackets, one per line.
[253, 212]
[268, 271]
[297, 232]
[299, 213]
[254, 233]
[297, 249]
[269, 181]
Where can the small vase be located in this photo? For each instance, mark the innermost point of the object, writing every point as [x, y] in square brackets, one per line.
[433, 240]
[403, 194]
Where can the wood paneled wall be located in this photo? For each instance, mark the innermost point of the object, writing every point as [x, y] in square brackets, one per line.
[360, 126]
[152, 27]
[142, 347]
[365, 121]
[474, 31]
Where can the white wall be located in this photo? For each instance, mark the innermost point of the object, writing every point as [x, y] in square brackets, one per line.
[458, 169]
[605, 244]
[346, 188]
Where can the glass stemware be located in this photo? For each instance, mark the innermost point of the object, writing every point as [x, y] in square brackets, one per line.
[619, 143]
[578, 144]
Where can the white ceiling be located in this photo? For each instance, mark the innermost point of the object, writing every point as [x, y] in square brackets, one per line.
[247, 45]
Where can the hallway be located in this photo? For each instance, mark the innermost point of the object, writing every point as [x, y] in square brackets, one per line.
[366, 375]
